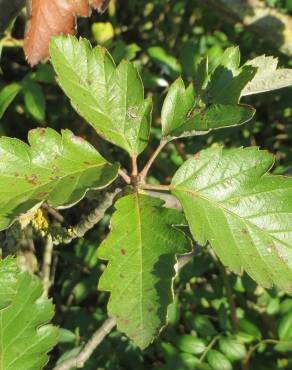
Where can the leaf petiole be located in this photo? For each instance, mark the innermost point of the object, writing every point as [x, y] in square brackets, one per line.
[148, 165]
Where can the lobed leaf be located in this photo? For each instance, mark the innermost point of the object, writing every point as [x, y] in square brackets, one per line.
[268, 77]
[54, 168]
[182, 115]
[110, 98]
[141, 252]
[245, 213]
[25, 336]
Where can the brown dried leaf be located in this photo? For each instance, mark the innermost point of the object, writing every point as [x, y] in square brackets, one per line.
[50, 18]
[100, 5]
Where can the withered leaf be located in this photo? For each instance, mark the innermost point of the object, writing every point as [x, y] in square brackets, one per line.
[53, 17]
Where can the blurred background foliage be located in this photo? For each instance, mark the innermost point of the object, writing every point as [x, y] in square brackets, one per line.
[218, 321]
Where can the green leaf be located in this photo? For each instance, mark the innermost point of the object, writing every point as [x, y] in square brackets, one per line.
[8, 280]
[110, 98]
[244, 213]
[191, 344]
[201, 324]
[285, 327]
[247, 327]
[56, 168]
[233, 350]
[7, 95]
[141, 252]
[182, 117]
[230, 59]
[164, 59]
[66, 336]
[34, 100]
[218, 361]
[226, 85]
[103, 32]
[268, 77]
[25, 336]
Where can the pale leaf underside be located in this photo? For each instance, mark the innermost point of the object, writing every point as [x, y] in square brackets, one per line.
[268, 76]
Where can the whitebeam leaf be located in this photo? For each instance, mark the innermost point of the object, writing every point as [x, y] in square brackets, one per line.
[54, 168]
[141, 251]
[25, 336]
[214, 101]
[110, 98]
[268, 77]
[181, 115]
[245, 213]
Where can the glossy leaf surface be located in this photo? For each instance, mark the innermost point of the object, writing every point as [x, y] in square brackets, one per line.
[141, 251]
[54, 168]
[245, 213]
[110, 98]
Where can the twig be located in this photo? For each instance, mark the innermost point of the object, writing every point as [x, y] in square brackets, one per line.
[66, 235]
[183, 259]
[57, 215]
[103, 331]
[181, 150]
[125, 176]
[89, 348]
[230, 298]
[146, 169]
[47, 262]
[157, 187]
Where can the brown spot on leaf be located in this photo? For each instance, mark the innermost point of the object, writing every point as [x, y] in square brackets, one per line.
[123, 251]
[125, 321]
[244, 231]
[42, 194]
[32, 179]
[87, 163]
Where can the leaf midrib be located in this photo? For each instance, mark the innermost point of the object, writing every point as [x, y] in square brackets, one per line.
[221, 206]
[141, 257]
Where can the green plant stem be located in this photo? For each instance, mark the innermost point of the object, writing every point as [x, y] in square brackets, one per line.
[245, 362]
[144, 172]
[209, 347]
[10, 42]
